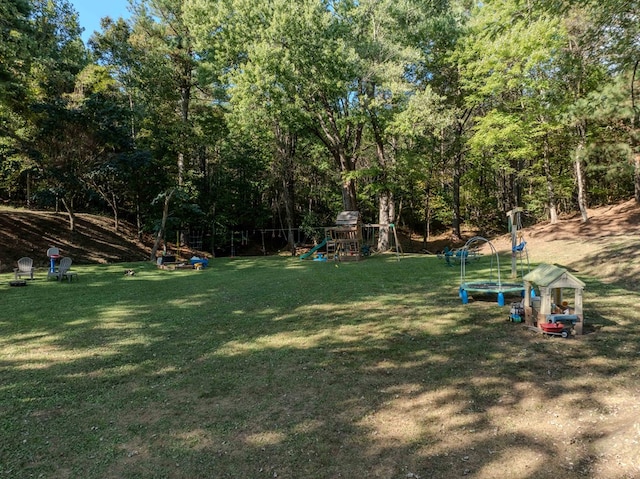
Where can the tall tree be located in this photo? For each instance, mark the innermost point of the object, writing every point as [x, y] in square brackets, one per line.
[510, 66]
[65, 147]
[160, 30]
[319, 73]
[105, 111]
[125, 58]
[15, 42]
[616, 33]
[385, 57]
[159, 64]
[440, 72]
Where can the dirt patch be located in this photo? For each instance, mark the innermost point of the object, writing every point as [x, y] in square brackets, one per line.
[605, 246]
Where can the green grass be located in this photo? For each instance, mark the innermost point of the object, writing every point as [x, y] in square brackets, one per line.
[277, 367]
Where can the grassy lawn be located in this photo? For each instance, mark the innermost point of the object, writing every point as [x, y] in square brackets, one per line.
[277, 367]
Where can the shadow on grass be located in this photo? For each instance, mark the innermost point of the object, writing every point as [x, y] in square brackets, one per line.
[286, 368]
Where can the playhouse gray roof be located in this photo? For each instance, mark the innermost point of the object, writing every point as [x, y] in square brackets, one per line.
[550, 276]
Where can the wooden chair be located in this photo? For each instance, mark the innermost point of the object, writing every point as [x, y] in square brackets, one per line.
[25, 268]
[63, 270]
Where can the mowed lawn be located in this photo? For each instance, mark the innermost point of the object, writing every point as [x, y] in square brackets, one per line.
[278, 367]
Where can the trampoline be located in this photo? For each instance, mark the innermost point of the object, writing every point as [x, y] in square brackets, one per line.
[492, 285]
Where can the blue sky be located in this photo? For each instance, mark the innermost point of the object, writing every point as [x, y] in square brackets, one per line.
[91, 11]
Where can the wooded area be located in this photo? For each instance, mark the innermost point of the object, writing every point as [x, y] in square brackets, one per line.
[224, 115]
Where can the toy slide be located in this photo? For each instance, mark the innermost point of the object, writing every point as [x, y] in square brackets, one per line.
[313, 250]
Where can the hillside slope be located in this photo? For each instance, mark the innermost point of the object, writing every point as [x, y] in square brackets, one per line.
[607, 246]
[31, 233]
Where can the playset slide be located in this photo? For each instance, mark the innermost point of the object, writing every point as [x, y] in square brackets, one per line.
[313, 250]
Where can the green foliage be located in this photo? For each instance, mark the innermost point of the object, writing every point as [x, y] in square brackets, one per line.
[311, 226]
[258, 111]
[58, 52]
[15, 38]
[503, 139]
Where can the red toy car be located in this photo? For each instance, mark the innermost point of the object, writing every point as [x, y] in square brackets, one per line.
[555, 329]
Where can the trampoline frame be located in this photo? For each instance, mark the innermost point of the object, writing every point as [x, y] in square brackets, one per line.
[487, 287]
[490, 286]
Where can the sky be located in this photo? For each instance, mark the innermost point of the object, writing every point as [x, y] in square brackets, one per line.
[91, 11]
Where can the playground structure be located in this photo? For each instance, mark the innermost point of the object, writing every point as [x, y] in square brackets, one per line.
[343, 241]
[349, 239]
[549, 307]
[491, 285]
[494, 284]
[371, 234]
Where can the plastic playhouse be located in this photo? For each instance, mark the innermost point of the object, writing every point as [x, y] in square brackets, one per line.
[548, 311]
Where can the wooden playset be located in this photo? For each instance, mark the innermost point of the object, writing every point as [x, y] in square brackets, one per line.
[345, 238]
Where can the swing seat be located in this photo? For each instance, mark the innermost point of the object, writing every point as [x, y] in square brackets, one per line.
[520, 247]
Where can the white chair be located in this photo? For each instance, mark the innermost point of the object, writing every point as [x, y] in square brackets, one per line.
[63, 270]
[25, 268]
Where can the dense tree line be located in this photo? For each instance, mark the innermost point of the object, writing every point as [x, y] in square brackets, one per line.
[240, 115]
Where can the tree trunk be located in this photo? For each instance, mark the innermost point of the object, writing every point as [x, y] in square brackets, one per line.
[116, 216]
[579, 171]
[163, 223]
[553, 212]
[384, 198]
[69, 206]
[582, 197]
[636, 176]
[386, 207]
[634, 135]
[349, 197]
[286, 144]
[344, 147]
[458, 155]
[552, 204]
[427, 216]
[185, 103]
[455, 227]
[180, 168]
[138, 218]
[28, 189]
[287, 196]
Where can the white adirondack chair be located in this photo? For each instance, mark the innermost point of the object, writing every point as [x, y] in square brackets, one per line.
[63, 270]
[25, 268]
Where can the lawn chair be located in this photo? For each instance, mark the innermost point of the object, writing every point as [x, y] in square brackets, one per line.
[25, 267]
[63, 270]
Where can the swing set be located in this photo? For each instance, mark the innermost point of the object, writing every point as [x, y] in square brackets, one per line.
[371, 236]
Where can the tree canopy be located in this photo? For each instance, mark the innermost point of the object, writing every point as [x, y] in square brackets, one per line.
[232, 115]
